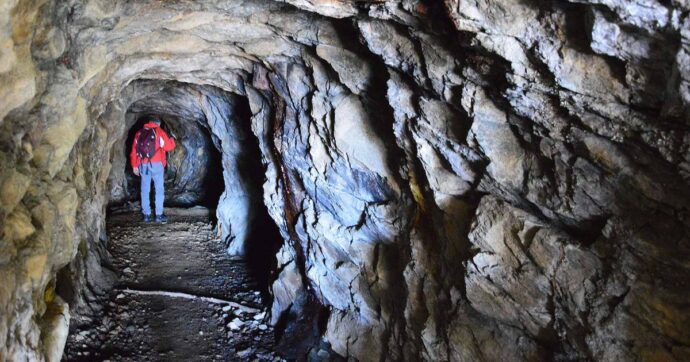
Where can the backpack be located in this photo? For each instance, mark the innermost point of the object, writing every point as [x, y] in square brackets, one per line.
[146, 143]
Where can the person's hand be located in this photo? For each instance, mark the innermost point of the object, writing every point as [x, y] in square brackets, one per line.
[135, 170]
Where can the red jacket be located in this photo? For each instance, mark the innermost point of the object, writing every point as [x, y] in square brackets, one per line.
[164, 144]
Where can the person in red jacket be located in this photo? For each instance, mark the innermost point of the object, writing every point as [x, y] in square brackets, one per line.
[148, 160]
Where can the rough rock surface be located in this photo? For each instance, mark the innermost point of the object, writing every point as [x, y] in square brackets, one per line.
[453, 180]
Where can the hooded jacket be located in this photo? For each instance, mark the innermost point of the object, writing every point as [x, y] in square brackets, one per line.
[164, 144]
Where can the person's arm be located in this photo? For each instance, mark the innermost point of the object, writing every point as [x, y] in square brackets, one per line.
[168, 142]
[133, 158]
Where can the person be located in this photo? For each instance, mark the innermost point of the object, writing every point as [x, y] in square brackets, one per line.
[148, 160]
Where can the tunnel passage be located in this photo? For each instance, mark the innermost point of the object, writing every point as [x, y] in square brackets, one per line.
[217, 164]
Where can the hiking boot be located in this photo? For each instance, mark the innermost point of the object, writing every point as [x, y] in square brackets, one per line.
[147, 218]
[161, 219]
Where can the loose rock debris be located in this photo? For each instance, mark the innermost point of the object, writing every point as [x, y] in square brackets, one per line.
[179, 298]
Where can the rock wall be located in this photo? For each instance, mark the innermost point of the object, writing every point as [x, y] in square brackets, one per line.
[453, 180]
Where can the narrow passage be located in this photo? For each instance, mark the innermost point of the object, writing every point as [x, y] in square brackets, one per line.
[179, 297]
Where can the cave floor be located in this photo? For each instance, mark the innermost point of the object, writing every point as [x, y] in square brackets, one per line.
[179, 297]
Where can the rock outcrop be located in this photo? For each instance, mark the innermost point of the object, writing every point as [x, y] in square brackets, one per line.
[487, 180]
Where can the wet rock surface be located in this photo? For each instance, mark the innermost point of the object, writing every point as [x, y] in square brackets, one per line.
[179, 296]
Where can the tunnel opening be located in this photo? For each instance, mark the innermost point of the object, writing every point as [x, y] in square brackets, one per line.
[217, 164]
[219, 245]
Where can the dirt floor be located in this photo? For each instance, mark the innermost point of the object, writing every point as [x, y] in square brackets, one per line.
[179, 297]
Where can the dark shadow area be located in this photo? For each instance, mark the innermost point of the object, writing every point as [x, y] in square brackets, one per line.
[261, 251]
[213, 184]
[265, 239]
[578, 26]
[300, 328]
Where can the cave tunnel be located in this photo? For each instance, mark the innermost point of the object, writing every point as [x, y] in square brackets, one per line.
[214, 186]
[396, 180]
[215, 148]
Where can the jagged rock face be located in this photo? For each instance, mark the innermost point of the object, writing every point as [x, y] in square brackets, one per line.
[453, 181]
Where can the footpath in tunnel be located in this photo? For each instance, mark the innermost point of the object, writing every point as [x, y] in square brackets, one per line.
[179, 297]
